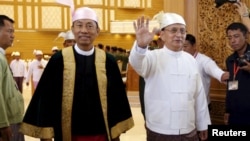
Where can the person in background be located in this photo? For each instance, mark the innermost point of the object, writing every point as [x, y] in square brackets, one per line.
[207, 67]
[54, 49]
[18, 69]
[174, 97]
[11, 99]
[100, 46]
[69, 39]
[237, 96]
[36, 68]
[107, 48]
[243, 11]
[160, 43]
[114, 52]
[153, 45]
[80, 96]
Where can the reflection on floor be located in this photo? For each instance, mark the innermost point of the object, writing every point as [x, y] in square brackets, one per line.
[137, 133]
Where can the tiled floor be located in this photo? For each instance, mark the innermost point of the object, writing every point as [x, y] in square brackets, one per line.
[137, 133]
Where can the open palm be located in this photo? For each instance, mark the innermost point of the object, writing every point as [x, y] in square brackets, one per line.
[143, 35]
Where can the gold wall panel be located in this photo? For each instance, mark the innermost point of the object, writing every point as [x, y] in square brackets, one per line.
[111, 15]
[36, 17]
[143, 4]
[99, 13]
[48, 1]
[106, 22]
[29, 19]
[191, 17]
[149, 3]
[132, 3]
[20, 16]
[67, 17]
[93, 2]
[111, 2]
[78, 2]
[176, 6]
[7, 10]
[51, 17]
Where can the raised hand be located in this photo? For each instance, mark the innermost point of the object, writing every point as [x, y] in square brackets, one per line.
[143, 35]
[242, 8]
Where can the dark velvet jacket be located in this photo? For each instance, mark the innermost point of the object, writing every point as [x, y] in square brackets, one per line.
[44, 117]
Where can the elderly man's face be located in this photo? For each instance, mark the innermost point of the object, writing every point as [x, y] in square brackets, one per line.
[174, 36]
[85, 32]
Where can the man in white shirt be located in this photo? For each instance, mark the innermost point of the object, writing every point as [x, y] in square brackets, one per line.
[207, 67]
[175, 101]
[36, 68]
[18, 69]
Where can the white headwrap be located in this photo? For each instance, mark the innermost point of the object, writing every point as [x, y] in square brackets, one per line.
[55, 48]
[37, 52]
[66, 35]
[15, 53]
[166, 19]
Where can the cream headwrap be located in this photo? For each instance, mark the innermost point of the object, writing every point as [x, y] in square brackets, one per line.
[55, 48]
[166, 19]
[37, 52]
[67, 35]
[15, 53]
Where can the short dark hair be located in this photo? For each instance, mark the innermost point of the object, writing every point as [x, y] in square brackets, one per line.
[100, 45]
[236, 26]
[191, 39]
[3, 18]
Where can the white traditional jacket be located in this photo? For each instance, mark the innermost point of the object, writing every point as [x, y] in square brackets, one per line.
[175, 101]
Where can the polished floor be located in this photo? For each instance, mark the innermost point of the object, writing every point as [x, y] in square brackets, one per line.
[137, 133]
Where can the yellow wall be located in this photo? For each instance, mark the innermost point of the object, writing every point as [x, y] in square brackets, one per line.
[27, 41]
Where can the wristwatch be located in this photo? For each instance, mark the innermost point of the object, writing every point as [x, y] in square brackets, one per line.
[245, 14]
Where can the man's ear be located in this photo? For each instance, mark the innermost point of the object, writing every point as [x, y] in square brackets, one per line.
[162, 36]
[98, 30]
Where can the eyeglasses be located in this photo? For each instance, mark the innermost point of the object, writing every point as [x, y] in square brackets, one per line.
[175, 30]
